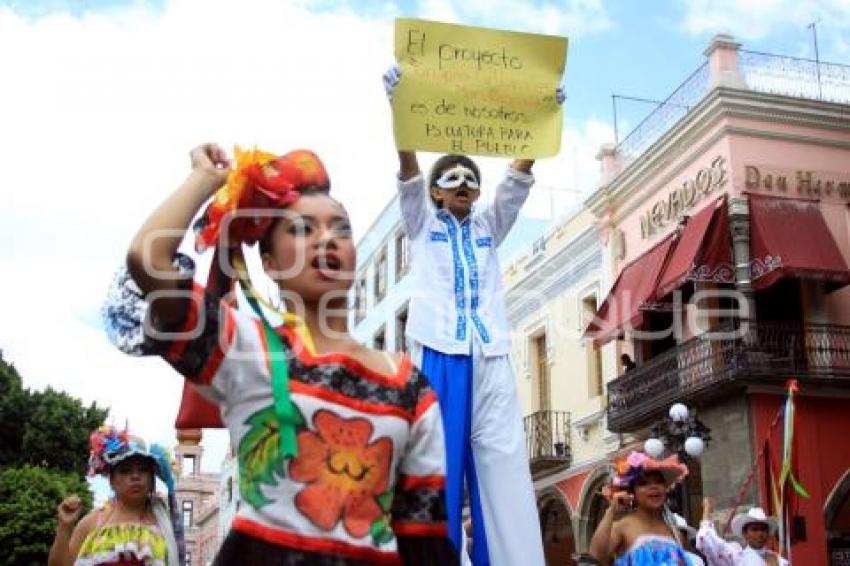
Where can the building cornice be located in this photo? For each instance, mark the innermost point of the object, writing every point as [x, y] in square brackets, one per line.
[570, 264]
[585, 240]
[718, 104]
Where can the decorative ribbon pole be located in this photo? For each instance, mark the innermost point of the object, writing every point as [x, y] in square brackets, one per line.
[786, 472]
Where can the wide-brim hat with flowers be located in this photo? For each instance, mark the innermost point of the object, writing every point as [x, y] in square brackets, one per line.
[110, 446]
[630, 468]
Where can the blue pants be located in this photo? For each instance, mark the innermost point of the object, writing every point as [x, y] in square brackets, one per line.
[451, 378]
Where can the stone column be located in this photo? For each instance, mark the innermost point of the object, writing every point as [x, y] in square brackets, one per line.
[723, 71]
[739, 226]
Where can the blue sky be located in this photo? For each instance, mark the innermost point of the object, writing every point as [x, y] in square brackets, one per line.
[110, 96]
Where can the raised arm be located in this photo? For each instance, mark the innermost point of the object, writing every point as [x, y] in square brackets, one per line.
[608, 537]
[149, 259]
[413, 194]
[408, 166]
[717, 551]
[68, 538]
[523, 165]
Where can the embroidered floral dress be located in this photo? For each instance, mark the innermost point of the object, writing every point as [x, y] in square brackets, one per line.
[367, 484]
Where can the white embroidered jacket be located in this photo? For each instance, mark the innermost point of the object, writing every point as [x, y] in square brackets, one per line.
[457, 283]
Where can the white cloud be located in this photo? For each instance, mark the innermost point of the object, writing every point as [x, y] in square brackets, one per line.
[759, 19]
[98, 113]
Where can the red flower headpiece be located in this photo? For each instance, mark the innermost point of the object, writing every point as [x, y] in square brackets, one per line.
[259, 181]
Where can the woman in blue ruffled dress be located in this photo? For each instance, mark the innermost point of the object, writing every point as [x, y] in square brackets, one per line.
[638, 529]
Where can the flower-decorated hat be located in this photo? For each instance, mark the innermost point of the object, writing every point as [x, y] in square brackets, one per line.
[109, 446]
[630, 468]
[259, 181]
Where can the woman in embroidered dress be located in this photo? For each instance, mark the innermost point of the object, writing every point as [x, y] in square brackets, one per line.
[340, 447]
[638, 529]
[135, 528]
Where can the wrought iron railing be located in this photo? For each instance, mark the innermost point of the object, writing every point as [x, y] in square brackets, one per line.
[793, 76]
[666, 114]
[762, 72]
[710, 364]
[547, 435]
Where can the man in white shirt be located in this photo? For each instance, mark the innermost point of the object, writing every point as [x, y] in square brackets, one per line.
[460, 338]
[754, 527]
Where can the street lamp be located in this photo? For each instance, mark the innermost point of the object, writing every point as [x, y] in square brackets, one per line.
[683, 434]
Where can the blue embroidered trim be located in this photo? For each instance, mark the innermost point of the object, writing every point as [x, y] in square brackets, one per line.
[460, 299]
[485, 242]
[439, 237]
[473, 282]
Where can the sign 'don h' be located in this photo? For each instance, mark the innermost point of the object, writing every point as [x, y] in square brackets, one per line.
[477, 91]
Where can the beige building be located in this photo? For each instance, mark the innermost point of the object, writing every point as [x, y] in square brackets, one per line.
[552, 293]
[197, 496]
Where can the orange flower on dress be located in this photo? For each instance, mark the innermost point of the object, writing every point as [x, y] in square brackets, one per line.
[344, 473]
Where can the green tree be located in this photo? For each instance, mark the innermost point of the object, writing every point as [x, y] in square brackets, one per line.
[44, 428]
[29, 496]
[43, 458]
[13, 407]
[57, 431]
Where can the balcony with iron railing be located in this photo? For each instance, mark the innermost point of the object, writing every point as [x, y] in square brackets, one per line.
[725, 359]
[760, 72]
[547, 440]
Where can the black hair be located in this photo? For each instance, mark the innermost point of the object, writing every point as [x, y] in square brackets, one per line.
[266, 241]
[645, 478]
[445, 162]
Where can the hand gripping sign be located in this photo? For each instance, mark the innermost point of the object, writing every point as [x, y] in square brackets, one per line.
[477, 91]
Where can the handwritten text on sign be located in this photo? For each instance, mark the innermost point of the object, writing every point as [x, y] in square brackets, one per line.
[477, 91]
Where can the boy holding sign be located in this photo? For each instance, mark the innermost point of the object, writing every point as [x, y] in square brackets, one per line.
[460, 337]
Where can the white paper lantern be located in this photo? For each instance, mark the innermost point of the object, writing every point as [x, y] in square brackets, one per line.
[653, 447]
[679, 413]
[694, 446]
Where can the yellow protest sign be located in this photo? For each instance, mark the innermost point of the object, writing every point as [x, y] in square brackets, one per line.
[477, 91]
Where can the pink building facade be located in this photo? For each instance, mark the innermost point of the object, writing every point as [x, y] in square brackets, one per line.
[729, 243]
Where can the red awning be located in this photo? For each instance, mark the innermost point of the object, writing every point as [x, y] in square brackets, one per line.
[634, 287]
[790, 238]
[703, 252]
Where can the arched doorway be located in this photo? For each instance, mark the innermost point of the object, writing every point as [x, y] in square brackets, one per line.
[837, 520]
[556, 526]
[592, 505]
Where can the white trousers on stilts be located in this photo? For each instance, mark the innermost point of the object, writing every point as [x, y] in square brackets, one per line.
[511, 521]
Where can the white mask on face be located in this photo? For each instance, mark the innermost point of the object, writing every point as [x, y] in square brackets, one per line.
[456, 176]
